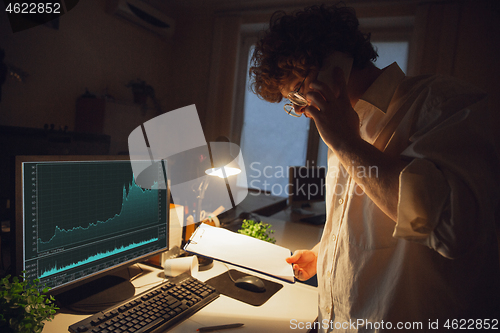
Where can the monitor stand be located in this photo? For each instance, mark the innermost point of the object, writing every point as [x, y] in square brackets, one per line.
[96, 295]
[302, 208]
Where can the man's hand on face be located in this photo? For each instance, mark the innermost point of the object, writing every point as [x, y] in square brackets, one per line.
[331, 110]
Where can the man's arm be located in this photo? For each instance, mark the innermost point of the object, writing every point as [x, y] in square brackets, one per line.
[338, 125]
[381, 186]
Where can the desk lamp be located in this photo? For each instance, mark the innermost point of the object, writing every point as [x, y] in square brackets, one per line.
[222, 165]
[176, 140]
[226, 165]
[192, 171]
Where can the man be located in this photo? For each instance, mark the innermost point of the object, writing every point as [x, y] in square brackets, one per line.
[412, 244]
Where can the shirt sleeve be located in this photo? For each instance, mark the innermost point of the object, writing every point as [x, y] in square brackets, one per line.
[449, 191]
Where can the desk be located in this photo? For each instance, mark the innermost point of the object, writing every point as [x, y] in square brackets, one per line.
[256, 202]
[296, 301]
[288, 214]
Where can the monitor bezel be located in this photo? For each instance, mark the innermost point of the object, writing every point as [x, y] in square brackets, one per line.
[17, 261]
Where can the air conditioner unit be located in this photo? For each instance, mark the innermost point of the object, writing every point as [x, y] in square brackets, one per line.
[142, 14]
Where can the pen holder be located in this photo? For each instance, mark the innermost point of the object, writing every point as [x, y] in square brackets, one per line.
[191, 227]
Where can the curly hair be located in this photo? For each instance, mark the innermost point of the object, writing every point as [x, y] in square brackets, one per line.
[297, 43]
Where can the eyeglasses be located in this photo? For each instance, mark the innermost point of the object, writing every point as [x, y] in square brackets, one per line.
[296, 99]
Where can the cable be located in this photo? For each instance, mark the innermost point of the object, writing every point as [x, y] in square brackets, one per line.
[229, 273]
[140, 274]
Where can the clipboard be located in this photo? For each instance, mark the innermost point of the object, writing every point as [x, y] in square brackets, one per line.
[241, 250]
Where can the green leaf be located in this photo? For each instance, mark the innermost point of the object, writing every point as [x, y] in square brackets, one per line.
[23, 308]
[257, 230]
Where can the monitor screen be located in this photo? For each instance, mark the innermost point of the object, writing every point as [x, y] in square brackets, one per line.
[306, 184]
[78, 217]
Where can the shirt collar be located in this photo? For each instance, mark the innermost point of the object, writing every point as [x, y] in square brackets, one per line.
[380, 93]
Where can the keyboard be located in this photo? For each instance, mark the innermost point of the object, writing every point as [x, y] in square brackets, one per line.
[155, 310]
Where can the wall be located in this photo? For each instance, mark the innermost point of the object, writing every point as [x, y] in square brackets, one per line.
[477, 52]
[94, 50]
[191, 56]
[461, 38]
[91, 49]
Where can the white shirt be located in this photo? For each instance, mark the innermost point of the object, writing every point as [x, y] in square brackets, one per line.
[375, 274]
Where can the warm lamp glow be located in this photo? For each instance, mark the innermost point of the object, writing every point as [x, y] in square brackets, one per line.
[228, 171]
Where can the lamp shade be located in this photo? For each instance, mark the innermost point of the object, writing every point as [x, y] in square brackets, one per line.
[225, 159]
[223, 172]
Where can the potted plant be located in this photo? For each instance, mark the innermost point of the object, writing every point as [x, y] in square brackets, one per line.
[257, 230]
[23, 309]
[141, 91]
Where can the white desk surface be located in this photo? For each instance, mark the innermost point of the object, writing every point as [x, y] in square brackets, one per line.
[293, 304]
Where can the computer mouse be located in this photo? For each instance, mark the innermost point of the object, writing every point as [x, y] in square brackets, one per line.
[251, 283]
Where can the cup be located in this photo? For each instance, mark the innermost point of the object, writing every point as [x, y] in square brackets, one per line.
[175, 266]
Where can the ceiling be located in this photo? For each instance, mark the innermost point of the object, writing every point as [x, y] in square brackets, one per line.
[267, 5]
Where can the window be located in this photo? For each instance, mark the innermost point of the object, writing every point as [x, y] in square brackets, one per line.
[388, 52]
[271, 140]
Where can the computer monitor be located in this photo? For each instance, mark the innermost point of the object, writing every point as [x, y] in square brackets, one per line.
[306, 187]
[79, 218]
[306, 184]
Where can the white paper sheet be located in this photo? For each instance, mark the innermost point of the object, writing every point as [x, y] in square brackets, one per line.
[241, 250]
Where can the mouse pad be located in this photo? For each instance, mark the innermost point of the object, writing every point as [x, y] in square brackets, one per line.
[225, 286]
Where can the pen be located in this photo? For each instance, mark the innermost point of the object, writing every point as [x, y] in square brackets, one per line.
[219, 327]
